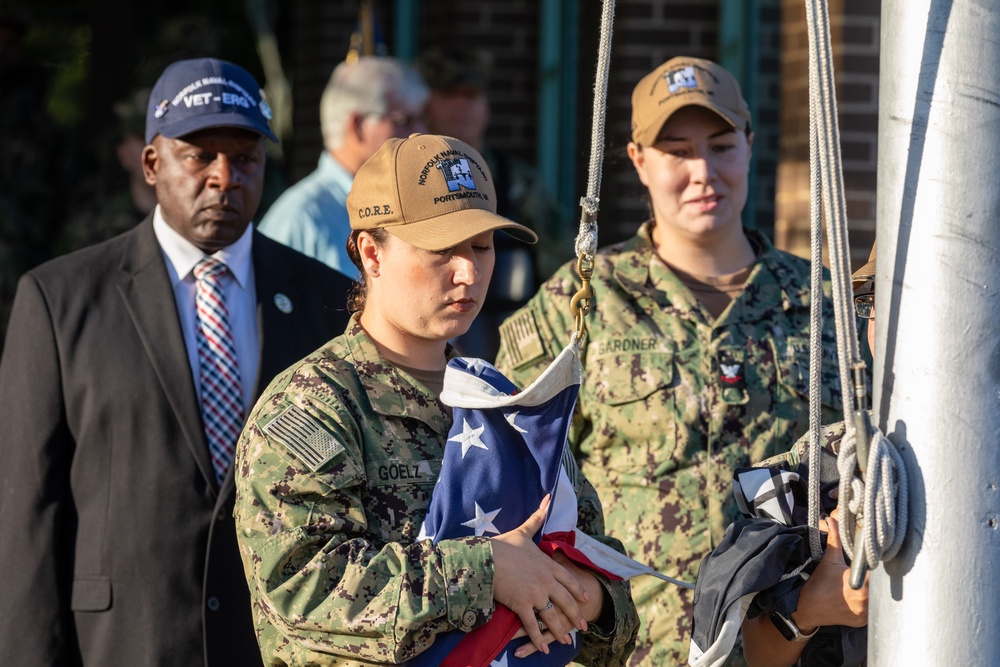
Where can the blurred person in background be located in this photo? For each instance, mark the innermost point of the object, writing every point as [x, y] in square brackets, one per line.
[116, 197]
[363, 104]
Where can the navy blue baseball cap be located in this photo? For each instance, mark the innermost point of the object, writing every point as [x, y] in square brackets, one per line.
[194, 95]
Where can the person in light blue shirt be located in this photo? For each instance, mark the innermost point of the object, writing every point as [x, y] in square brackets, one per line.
[364, 103]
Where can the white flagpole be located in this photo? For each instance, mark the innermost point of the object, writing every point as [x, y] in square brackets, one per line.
[937, 304]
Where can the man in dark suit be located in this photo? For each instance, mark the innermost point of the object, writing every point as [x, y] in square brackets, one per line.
[117, 541]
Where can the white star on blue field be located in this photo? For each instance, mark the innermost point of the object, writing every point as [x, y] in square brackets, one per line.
[483, 522]
[510, 420]
[469, 438]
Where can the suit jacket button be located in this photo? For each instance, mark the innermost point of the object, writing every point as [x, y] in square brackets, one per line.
[213, 603]
[469, 619]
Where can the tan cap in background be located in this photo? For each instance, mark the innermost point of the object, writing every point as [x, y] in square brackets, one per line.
[866, 272]
[681, 82]
[433, 192]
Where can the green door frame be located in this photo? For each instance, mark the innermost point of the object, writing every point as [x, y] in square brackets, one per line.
[558, 50]
[739, 23]
[407, 24]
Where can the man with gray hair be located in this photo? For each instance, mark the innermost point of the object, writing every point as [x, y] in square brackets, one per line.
[364, 103]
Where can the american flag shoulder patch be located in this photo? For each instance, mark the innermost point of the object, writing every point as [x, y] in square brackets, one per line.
[304, 437]
[520, 338]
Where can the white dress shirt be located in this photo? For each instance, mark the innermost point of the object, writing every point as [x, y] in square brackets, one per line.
[181, 256]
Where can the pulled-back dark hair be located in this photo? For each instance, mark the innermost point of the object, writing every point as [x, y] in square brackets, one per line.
[359, 290]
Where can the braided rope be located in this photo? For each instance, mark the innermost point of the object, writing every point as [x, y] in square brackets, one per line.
[815, 331]
[881, 502]
[586, 240]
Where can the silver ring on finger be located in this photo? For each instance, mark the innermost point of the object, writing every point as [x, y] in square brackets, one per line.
[546, 607]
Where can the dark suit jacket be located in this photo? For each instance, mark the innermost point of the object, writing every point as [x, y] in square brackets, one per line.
[116, 545]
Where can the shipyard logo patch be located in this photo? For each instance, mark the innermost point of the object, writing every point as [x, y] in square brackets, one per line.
[457, 174]
[680, 79]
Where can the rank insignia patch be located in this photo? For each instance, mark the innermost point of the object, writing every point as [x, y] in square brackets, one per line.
[732, 376]
[731, 372]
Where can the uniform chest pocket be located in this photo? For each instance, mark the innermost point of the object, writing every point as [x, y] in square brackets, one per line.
[630, 402]
[398, 496]
[793, 374]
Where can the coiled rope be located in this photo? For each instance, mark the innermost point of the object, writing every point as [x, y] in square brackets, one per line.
[884, 523]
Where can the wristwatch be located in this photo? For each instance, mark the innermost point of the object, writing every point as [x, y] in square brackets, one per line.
[786, 626]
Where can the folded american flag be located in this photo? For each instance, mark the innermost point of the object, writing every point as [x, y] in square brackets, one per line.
[504, 454]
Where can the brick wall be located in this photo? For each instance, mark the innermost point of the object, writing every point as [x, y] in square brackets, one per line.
[767, 119]
[315, 35]
[854, 26]
[508, 30]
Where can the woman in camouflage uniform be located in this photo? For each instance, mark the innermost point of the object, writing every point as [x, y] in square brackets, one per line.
[697, 359]
[338, 460]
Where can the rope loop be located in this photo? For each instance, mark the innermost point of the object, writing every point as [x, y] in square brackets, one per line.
[586, 238]
[877, 506]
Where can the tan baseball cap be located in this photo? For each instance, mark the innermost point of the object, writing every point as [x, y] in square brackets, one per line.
[681, 82]
[866, 272]
[433, 192]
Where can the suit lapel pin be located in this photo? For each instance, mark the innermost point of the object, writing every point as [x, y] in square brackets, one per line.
[283, 303]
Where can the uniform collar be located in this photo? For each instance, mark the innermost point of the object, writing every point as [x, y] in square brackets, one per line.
[393, 393]
[640, 272]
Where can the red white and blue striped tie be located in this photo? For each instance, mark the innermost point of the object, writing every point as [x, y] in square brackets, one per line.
[221, 394]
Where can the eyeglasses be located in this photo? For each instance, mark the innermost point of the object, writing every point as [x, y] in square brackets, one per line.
[864, 305]
[400, 119]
